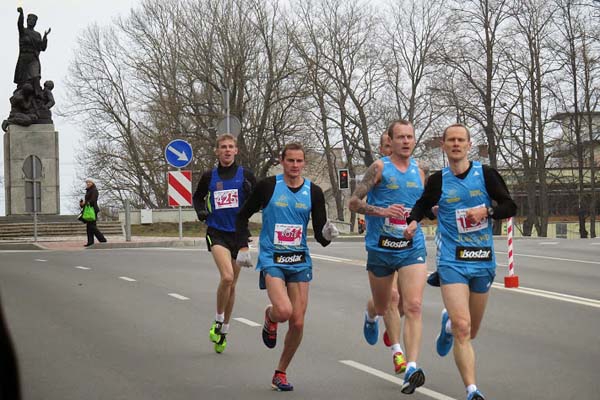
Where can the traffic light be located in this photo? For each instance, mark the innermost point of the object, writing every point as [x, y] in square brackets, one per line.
[343, 179]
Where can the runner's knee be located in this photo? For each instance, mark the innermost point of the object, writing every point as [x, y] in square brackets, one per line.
[461, 328]
[412, 307]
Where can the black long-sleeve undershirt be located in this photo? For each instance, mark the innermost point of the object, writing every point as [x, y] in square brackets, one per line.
[261, 195]
[494, 185]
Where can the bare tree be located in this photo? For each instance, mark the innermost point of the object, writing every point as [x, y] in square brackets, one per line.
[414, 33]
[573, 50]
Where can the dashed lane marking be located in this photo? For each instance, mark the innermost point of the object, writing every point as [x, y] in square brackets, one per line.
[40, 260]
[125, 278]
[247, 322]
[390, 378]
[82, 267]
[178, 296]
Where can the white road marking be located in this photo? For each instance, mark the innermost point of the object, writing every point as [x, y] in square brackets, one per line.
[545, 243]
[551, 295]
[336, 259]
[40, 260]
[247, 322]
[552, 258]
[127, 279]
[595, 243]
[393, 379]
[81, 267]
[178, 296]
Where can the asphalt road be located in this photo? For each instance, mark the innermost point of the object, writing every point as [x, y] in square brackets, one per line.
[133, 324]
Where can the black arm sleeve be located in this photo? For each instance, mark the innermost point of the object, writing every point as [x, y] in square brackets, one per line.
[318, 213]
[249, 182]
[430, 197]
[9, 375]
[258, 198]
[498, 191]
[199, 198]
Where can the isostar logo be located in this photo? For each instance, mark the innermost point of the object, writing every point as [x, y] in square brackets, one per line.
[289, 258]
[474, 253]
[388, 242]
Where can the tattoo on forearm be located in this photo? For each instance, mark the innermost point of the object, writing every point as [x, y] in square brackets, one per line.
[367, 183]
[368, 209]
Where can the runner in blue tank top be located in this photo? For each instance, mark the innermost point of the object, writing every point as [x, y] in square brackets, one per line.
[465, 248]
[288, 201]
[392, 185]
[217, 200]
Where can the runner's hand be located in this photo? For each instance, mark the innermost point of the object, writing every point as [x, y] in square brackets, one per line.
[395, 211]
[410, 230]
[329, 231]
[202, 215]
[244, 259]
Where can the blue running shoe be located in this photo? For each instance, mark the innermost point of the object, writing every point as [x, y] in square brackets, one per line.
[443, 343]
[371, 331]
[476, 395]
[434, 279]
[413, 378]
[280, 382]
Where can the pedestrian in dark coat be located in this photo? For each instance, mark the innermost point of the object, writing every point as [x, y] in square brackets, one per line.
[91, 198]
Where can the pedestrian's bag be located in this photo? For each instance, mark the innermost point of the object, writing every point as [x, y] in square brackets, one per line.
[89, 215]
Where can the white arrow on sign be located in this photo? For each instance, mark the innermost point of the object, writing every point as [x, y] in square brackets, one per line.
[181, 154]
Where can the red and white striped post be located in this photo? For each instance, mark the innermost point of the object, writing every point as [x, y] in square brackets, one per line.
[512, 280]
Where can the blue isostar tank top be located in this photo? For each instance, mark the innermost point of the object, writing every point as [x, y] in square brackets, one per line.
[458, 241]
[225, 199]
[396, 187]
[283, 234]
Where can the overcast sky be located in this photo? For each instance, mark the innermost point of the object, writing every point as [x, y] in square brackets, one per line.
[67, 18]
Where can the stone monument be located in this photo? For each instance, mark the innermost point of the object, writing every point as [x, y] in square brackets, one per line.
[31, 178]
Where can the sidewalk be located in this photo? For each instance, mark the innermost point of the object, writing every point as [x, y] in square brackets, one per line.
[72, 243]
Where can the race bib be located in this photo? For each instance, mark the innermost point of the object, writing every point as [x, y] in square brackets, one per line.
[288, 235]
[398, 223]
[464, 225]
[226, 199]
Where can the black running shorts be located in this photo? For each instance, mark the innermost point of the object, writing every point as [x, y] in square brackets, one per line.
[222, 238]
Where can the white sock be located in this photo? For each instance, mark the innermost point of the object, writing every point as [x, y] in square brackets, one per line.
[471, 389]
[369, 319]
[411, 364]
[449, 326]
[220, 317]
[396, 348]
[225, 328]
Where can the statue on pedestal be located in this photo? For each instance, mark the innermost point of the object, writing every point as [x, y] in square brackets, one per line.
[30, 104]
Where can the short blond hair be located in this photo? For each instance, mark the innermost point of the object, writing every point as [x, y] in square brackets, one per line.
[225, 136]
[457, 125]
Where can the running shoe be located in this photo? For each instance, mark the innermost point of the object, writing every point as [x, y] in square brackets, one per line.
[221, 344]
[371, 331]
[386, 339]
[434, 279]
[443, 343]
[413, 378]
[399, 362]
[476, 395]
[280, 382]
[269, 331]
[215, 331]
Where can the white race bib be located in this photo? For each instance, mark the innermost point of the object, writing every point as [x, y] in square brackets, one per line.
[226, 199]
[464, 225]
[398, 223]
[288, 235]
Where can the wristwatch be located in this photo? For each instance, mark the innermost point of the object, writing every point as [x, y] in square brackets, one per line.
[490, 211]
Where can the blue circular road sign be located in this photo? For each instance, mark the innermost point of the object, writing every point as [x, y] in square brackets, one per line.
[178, 153]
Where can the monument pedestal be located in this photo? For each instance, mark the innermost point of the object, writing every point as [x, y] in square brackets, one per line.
[31, 166]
